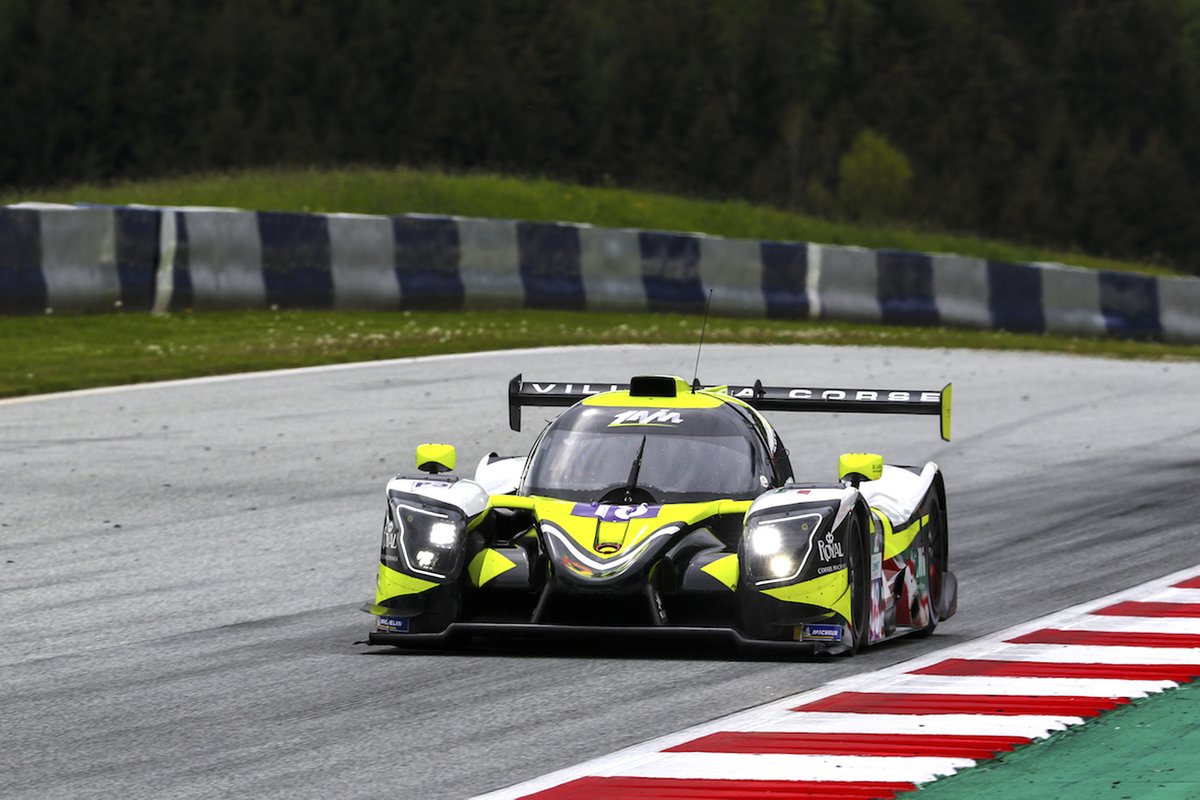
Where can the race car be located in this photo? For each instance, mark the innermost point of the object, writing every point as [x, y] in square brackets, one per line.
[659, 507]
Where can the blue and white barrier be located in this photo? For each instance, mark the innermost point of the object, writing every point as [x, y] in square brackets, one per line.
[67, 258]
[78, 259]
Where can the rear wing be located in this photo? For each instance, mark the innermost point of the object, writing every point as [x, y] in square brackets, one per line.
[523, 393]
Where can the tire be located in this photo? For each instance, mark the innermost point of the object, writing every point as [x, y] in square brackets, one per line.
[859, 578]
[936, 557]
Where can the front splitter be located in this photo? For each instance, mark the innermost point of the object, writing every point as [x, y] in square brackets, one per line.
[460, 633]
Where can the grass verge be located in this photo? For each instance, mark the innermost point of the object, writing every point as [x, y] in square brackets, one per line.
[59, 353]
[402, 190]
[1142, 750]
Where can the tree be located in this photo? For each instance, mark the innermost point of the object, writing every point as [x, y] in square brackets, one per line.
[874, 179]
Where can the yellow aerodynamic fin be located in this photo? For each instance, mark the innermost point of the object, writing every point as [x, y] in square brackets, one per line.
[830, 591]
[896, 542]
[391, 583]
[486, 565]
[724, 569]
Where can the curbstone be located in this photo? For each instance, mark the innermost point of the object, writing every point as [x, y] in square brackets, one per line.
[906, 288]
[785, 279]
[489, 263]
[960, 290]
[427, 253]
[610, 267]
[549, 259]
[79, 259]
[22, 282]
[224, 259]
[1179, 309]
[733, 270]
[1071, 300]
[847, 280]
[363, 262]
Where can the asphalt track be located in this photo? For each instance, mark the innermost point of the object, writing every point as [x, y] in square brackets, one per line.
[181, 565]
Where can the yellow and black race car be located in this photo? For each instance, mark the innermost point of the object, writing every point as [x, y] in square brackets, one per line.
[659, 507]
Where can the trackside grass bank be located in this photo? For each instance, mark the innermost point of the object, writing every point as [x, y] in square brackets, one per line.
[1146, 750]
[402, 190]
[59, 353]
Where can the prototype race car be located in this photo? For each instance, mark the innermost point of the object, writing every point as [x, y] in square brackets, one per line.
[659, 507]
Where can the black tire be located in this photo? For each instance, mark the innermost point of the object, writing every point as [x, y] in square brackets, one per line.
[936, 557]
[859, 578]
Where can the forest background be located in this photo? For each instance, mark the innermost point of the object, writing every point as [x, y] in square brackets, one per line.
[1069, 124]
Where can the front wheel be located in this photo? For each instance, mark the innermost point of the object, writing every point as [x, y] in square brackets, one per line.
[859, 579]
[935, 548]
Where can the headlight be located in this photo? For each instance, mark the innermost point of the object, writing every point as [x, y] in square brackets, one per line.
[781, 546]
[427, 540]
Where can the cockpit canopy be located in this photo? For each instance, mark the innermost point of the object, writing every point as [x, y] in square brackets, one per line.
[689, 454]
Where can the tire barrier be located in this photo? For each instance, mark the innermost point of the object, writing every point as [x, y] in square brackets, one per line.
[88, 258]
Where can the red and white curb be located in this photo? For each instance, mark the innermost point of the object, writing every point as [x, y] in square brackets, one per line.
[878, 734]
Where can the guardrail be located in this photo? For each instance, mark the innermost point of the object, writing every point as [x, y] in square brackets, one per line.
[69, 258]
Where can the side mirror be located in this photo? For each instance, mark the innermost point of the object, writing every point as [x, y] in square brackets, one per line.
[435, 458]
[859, 467]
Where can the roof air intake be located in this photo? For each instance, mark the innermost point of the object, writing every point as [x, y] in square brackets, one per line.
[652, 386]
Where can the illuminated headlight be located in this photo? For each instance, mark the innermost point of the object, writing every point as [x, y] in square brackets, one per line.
[443, 534]
[781, 566]
[780, 547]
[765, 540]
[428, 540]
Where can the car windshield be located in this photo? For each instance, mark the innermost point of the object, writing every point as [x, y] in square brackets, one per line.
[691, 456]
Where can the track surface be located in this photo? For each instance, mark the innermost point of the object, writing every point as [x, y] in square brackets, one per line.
[180, 566]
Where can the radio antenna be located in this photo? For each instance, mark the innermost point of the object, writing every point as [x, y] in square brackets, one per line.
[696, 372]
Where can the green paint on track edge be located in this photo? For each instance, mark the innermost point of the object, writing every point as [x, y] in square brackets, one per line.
[1147, 749]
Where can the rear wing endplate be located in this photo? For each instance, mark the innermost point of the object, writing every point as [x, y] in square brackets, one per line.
[764, 398]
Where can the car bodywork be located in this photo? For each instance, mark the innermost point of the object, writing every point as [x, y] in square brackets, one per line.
[659, 507]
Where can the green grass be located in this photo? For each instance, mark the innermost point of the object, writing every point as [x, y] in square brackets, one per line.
[397, 191]
[57, 353]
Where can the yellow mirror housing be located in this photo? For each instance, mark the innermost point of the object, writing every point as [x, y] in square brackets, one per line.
[435, 458]
[857, 467]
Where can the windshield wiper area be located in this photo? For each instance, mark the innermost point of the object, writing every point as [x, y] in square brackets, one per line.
[631, 484]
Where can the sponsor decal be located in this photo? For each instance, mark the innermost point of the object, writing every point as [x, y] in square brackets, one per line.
[763, 480]
[431, 484]
[872, 395]
[389, 548]
[393, 624]
[608, 512]
[573, 388]
[824, 632]
[863, 394]
[829, 548]
[660, 418]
